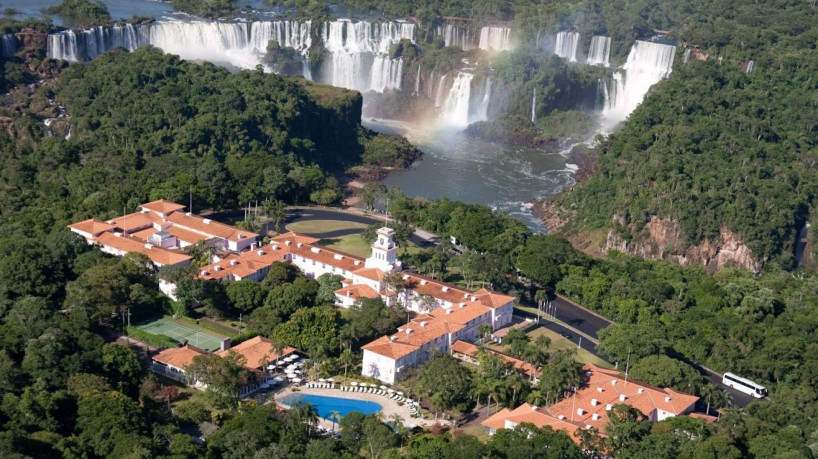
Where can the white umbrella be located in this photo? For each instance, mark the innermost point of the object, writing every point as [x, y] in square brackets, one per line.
[298, 372]
[273, 382]
[391, 391]
[322, 380]
[280, 362]
[291, 357]
[330, 380]
[354, 383]
[278, 379]
[296, 380]
[264, 386]
[299, 364]
[373, 385]
[382, 387]
[400, 393]
[271, 366]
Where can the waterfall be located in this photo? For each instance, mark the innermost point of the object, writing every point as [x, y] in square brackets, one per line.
[534, 107]
[9, 45]
[495, 38]
[600, 51]
[647, 64]
[686, 56]
[567, 43]
[386, 73]
[482, 113]
[456, 35]
[431, 85]
[237, 44]
[439, 93]
[359, 54]
[751, 66]
[85, 45]
[456, 107]
[417, 83]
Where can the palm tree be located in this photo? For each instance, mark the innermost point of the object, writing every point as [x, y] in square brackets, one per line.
[346, 359]
[541, 297]
[399, 427]
[306, 413]
[516, 383]
[713, 395]
[335, 416]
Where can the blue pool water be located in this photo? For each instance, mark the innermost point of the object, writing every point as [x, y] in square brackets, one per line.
[326, 405]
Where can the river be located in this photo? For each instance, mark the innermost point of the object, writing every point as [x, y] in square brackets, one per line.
[454, 166]
[457, 167]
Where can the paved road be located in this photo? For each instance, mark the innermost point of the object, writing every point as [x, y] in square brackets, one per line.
[587, 322]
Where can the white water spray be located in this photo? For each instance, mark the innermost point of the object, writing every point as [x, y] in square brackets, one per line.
[647, 64]
[600, 51]
[567, 43]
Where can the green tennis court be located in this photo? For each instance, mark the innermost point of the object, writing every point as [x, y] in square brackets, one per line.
[180, 331]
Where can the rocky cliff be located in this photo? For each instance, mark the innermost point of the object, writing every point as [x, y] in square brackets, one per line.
[664, 239]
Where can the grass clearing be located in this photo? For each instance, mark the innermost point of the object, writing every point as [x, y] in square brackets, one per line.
[559, 343]
[323, 226]
[353, 244]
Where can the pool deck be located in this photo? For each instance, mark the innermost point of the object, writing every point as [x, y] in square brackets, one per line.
[389, 407]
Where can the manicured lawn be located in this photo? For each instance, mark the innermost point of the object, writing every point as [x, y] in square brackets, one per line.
[323, 226]
[560, 343]
[354, 245]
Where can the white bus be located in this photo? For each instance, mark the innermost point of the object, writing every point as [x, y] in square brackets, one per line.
[744, 385]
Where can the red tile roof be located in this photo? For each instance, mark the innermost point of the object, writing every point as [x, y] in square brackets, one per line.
[92, 226]
[158, 255]
[533, 415]
[358, 291]
[135, 221]
[257, 352]
[162, 206]
[210, 227]
[244, 264]
[178, 357]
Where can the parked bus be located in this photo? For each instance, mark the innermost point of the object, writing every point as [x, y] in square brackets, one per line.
[744, 385]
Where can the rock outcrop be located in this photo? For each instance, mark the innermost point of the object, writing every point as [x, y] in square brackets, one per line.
[664, 239]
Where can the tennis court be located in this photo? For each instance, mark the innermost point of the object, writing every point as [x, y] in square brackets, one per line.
[180, 331]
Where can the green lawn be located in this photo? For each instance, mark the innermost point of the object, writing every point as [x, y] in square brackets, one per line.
[559, 343]
[323, 226]
[354, 245]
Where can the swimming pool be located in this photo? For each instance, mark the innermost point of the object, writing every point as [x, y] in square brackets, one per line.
[326, 405]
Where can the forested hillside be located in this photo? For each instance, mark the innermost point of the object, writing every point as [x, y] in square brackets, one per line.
[715, 153]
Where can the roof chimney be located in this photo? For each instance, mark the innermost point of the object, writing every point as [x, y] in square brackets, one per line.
[640, 390]
[580, 411]
[423, 324]
[217, 268]
[608, 407]
[600, 389]
[393, 338]
[408, 331]
[613, 382]
[595, 417]
[594, 402]
[234, 262]
[261, 253]
[622, 397]
[445, 288]
[448, 311]
[206, 221]
[204, 272]
[667, 399]
[424, 282]
[561, 417]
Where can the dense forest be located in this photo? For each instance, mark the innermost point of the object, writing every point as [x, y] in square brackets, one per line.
[717, 147]
[713, 147]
